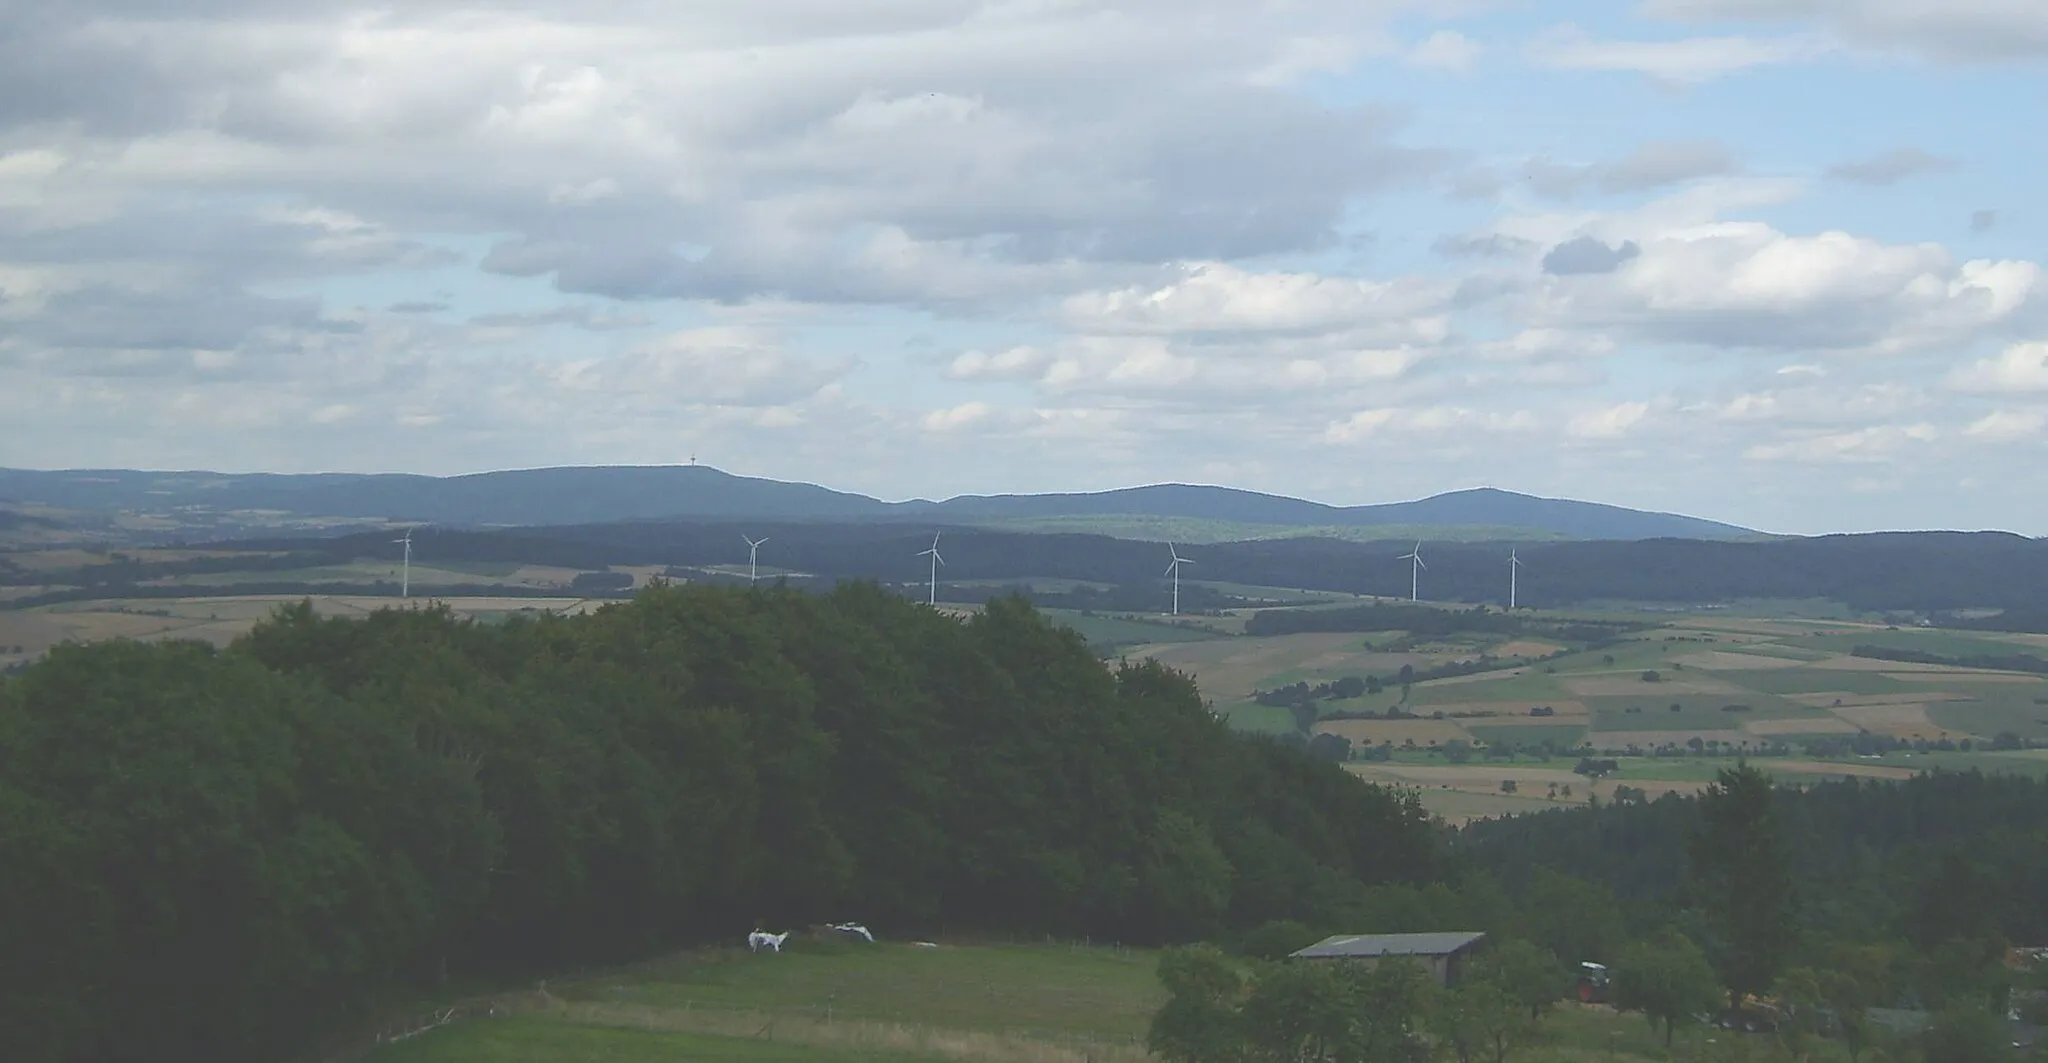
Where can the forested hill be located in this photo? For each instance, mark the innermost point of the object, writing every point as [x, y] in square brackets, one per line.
[217, 855]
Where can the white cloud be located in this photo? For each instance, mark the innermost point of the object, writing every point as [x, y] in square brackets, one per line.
[1219, 297]
[2020, 367]
[1745, 284]
[1871, 444]
[712, 366]
[1691, 60]
[2002, 426]
[1954, 30]
[957, 417]
[1445, 50]
[1015, 363]
[1611, 422]
[1428, 421]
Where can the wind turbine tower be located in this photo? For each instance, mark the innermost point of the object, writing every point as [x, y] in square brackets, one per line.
[933, 597]
[753, 556]
[1173, 569]
[405, 570]
[1414, 572]
[1514, 570]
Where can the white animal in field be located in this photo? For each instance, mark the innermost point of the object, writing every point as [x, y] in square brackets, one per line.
[925, 944]
[854, 928]
[760, 939]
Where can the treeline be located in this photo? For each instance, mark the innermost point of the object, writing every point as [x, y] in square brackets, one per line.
[1937, 858]
[370, 589]
[1911, 573]
[1997, 662]
[222, 854]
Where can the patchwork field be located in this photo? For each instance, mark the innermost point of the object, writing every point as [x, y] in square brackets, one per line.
[1720, 685]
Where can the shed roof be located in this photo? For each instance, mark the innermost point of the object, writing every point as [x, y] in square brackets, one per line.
[1442, 943]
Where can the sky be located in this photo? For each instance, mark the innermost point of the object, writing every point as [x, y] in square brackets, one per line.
[1774, 262]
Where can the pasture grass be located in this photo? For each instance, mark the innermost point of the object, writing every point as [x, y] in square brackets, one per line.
[540, 1039]
[828, 1002]
[1564, 736]
[1995, 711]
[1121, 631]
[1817, 680]
[1943, 643]
[1696, 712]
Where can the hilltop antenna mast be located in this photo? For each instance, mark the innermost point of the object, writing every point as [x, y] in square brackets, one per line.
[753, 555]
[1173, 569]
[932, 598]
[1414, 572]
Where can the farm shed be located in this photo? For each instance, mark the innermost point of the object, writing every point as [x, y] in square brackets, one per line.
[1443, 953]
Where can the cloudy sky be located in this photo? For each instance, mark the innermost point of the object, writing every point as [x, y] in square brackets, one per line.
[1770, 261]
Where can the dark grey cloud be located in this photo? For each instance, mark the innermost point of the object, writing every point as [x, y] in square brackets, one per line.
[584, 317]
[1983, 221]
[416, 308]
[1587, 255]
[1652, 165]
[113, 318]
[1658, 163]
[1492, 245]
[1889, 168]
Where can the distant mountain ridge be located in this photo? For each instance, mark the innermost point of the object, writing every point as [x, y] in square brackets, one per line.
[597, 494]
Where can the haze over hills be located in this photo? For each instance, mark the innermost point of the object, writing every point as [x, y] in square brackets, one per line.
[184, 503]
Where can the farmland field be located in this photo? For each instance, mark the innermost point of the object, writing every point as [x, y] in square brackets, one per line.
[1739, 684]
[828, 1003]
[215, 620]
[961, 1004]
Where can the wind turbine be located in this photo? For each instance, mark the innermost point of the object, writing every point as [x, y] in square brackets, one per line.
[405, 577]
[933, 597]
[1173, 569]
[753, 554]
[1415, 572]
[1514, 570]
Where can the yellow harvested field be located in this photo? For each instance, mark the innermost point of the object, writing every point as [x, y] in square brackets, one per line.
[1631, 684]
[1816, 725]
[1527, 648]
[1901, 721]
[1462, 793]
[1846, 663]
[1475, 677]
[1653, 739]
[1829, 698]
[1399, 732]
[1723, 660]
[1574, 712]
[1470, 775]
[1957, 675]
[1868, 771]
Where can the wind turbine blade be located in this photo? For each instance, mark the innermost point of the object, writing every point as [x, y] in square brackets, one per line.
[1419, 564]
[1170, 566]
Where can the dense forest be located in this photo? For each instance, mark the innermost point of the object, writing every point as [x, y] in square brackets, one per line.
[1944, 858]
[220, 854]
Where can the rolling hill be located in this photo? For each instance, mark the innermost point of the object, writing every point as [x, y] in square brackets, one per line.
[207, 503]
